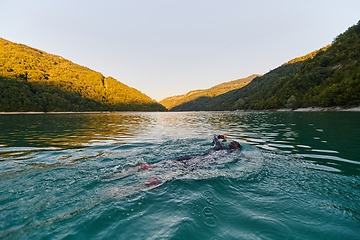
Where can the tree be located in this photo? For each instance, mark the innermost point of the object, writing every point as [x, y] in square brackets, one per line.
[291, 102]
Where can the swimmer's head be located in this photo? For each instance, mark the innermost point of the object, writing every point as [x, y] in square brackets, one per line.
[234, 145]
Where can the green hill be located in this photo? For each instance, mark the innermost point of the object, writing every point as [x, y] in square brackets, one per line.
[233, 99]
[219, 89]
[327, 77]
[32, 80]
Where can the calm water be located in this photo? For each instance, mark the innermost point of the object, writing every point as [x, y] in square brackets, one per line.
[297, 176]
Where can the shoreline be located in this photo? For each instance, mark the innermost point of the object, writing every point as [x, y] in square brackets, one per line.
[308, 109]
[321, 109]
[52, 112]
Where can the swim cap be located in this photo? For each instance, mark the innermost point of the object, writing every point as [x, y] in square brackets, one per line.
[234, 145]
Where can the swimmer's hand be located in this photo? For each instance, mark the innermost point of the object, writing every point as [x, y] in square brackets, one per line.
[222, 137]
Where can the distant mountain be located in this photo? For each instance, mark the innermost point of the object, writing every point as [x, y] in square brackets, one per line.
[231, 100]
[32, 80]
[327, 77]
[174, 101]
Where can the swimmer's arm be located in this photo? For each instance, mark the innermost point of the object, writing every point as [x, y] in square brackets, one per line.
[144, 166]
[216, 140]
[127, 172]
[218, 144]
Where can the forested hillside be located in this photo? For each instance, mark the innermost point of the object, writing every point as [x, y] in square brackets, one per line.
[174, 101]
[32, 80]
[231, 99]
[328, 77]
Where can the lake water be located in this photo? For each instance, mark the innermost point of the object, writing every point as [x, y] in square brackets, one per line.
[63, 176]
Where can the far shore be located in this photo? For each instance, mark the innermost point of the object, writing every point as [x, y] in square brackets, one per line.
[309, 109]
[321, 109]
[51, 112]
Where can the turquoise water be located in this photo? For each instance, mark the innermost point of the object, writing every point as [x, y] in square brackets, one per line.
[63, 176]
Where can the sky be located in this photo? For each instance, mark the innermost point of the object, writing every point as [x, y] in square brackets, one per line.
[170, 47]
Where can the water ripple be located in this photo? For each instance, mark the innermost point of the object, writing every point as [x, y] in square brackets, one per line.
[297, 176]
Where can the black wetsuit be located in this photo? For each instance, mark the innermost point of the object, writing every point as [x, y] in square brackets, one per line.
[218, 145]
[188, 163]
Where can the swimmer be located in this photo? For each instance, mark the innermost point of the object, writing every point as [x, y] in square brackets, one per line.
[233, 146]
[188, 165]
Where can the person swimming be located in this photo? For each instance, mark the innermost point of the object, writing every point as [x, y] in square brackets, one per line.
[187, 162]
[233, 146]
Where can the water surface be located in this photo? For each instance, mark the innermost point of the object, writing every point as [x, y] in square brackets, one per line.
[297, 176]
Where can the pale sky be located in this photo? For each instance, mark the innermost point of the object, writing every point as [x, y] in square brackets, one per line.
[169, 47]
